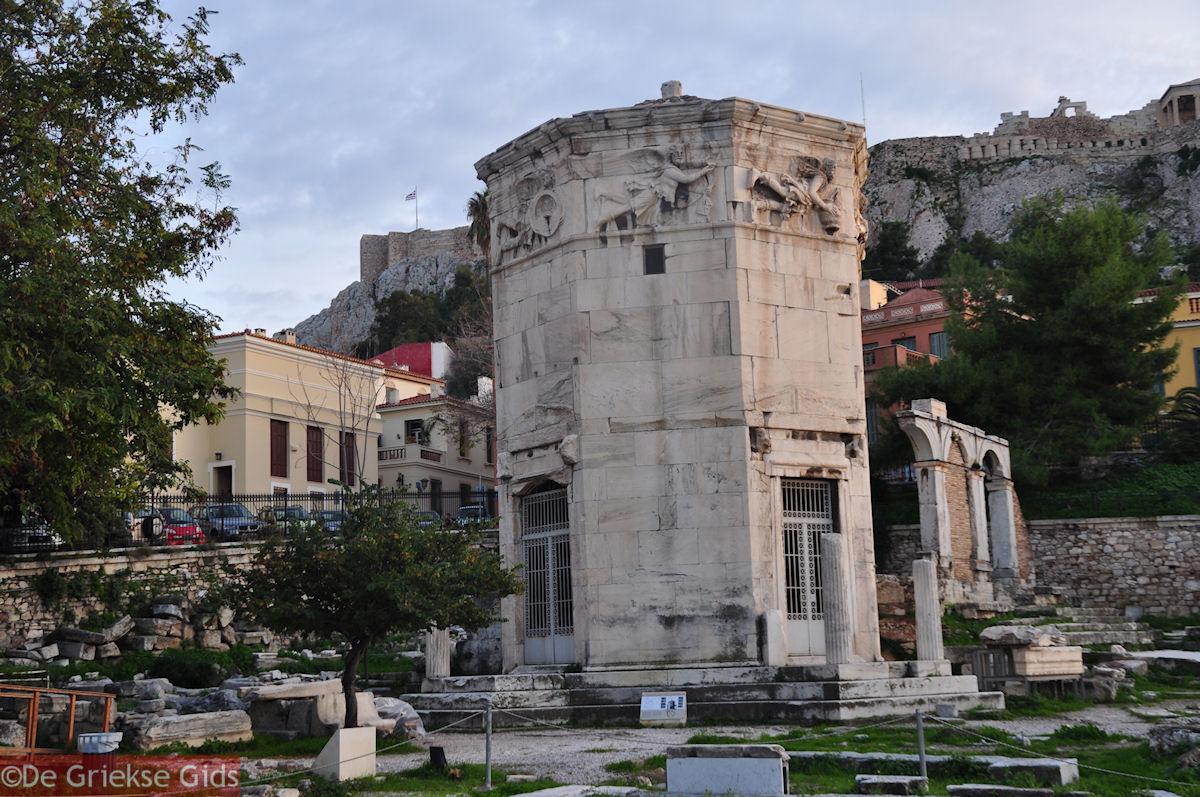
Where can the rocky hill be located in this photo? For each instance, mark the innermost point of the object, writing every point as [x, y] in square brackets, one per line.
[940, 186]
[957, 185]
[423, 260]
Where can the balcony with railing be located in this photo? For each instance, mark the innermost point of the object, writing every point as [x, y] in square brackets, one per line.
[886, 356]
[410, 452]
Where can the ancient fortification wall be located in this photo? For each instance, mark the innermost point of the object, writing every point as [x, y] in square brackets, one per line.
[377, 253]
[1073, 131]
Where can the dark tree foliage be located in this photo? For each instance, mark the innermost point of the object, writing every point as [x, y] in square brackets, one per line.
[979, 246]
[416, 317]
[1050, 348]
[403, 317]
[1181, 440]
[97, 365]
[383, 573]
[891, 258]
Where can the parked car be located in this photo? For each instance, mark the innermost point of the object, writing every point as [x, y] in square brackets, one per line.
[427, 517]
[288, 518]
[29, 537]
[168, 524]
[473, 513]
[332, 518]
[224, 522]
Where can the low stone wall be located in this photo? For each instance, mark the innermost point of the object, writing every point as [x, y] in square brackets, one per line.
[1152, 563]
[23, 617]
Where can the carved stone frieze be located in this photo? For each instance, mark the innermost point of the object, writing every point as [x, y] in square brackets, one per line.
[534, 218]
[808, 188]
[650, 187]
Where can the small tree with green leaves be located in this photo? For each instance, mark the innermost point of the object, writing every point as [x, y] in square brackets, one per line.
[382, 574]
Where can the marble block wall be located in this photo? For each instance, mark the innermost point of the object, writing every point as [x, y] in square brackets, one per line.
[676, 323]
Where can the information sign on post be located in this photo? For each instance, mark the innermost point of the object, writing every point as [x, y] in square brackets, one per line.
[664, 709]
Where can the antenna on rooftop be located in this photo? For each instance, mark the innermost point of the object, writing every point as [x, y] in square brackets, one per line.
[862, 94]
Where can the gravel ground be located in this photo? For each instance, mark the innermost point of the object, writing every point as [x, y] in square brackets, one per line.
[578, 755]
[569, 755]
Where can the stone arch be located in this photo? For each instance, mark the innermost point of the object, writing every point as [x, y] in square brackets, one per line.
[953, 459]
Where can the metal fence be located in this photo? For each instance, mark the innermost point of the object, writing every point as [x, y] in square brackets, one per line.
[446, 504]
[150, 523]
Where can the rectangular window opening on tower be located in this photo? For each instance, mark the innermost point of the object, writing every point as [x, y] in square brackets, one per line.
[654, 258]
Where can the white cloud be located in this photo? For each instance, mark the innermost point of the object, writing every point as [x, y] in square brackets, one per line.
[342, 108]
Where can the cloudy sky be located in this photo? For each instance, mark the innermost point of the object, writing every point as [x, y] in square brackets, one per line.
[345, 106]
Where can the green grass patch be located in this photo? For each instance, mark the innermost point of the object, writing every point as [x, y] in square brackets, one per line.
[1039, 705]
[423, 780]
[1090, 745]
[958, 630]
[1159, 489]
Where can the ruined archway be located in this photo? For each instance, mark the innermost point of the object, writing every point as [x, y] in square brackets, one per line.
[966, 501]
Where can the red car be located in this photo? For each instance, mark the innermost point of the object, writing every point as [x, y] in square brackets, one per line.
[171, 525]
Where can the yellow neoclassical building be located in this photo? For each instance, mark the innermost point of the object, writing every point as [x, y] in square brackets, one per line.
[303, 416]
[1186, 332]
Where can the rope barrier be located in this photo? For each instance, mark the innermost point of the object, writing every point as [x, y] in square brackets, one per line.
[998, 743]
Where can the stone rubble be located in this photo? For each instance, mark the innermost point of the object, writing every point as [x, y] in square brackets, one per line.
[171, 622]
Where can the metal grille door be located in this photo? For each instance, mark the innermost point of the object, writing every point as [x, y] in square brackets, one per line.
[549, 629]
[807, 514]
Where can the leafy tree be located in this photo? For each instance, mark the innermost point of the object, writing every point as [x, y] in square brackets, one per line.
[891, 257]
[383, 574]
[93, 351]
[1050, 348]
[419, 316]
[480, 230]
[403, 317]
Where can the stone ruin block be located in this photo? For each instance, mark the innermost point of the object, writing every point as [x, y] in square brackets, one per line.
[77, 650]
[138, 642]
[1064, 662]
[150, 731]
[158, 626]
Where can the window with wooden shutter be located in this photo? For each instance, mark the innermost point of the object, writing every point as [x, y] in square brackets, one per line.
[315, 455]
[279, 446]
[347, 470]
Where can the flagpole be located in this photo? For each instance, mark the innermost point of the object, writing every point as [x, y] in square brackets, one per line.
[412, 195]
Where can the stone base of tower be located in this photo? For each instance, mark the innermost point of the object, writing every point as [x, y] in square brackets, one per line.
[809, 693]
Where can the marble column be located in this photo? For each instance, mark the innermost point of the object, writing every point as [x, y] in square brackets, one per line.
[977, 507]
[929, 611]
[839, 631]
[934, 508]
[437, 653]
[1003, 529]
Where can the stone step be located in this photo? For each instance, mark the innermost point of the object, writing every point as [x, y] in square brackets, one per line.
[890, 784]
[518, 710]
[1102, 626]
[511, 691]
[992, 790]
[1111, 637]
[1088, 611]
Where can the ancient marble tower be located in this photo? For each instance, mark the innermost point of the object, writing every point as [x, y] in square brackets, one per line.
[679, 387]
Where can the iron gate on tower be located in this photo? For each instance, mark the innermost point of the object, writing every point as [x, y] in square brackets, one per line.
[549, 630]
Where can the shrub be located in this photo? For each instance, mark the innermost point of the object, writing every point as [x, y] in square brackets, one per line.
[195, 668]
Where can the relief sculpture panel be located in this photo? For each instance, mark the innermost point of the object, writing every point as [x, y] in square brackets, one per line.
[531, 220]
[807, 188]
[649, 187]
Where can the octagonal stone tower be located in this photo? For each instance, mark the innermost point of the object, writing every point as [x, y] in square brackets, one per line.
[681, 422]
